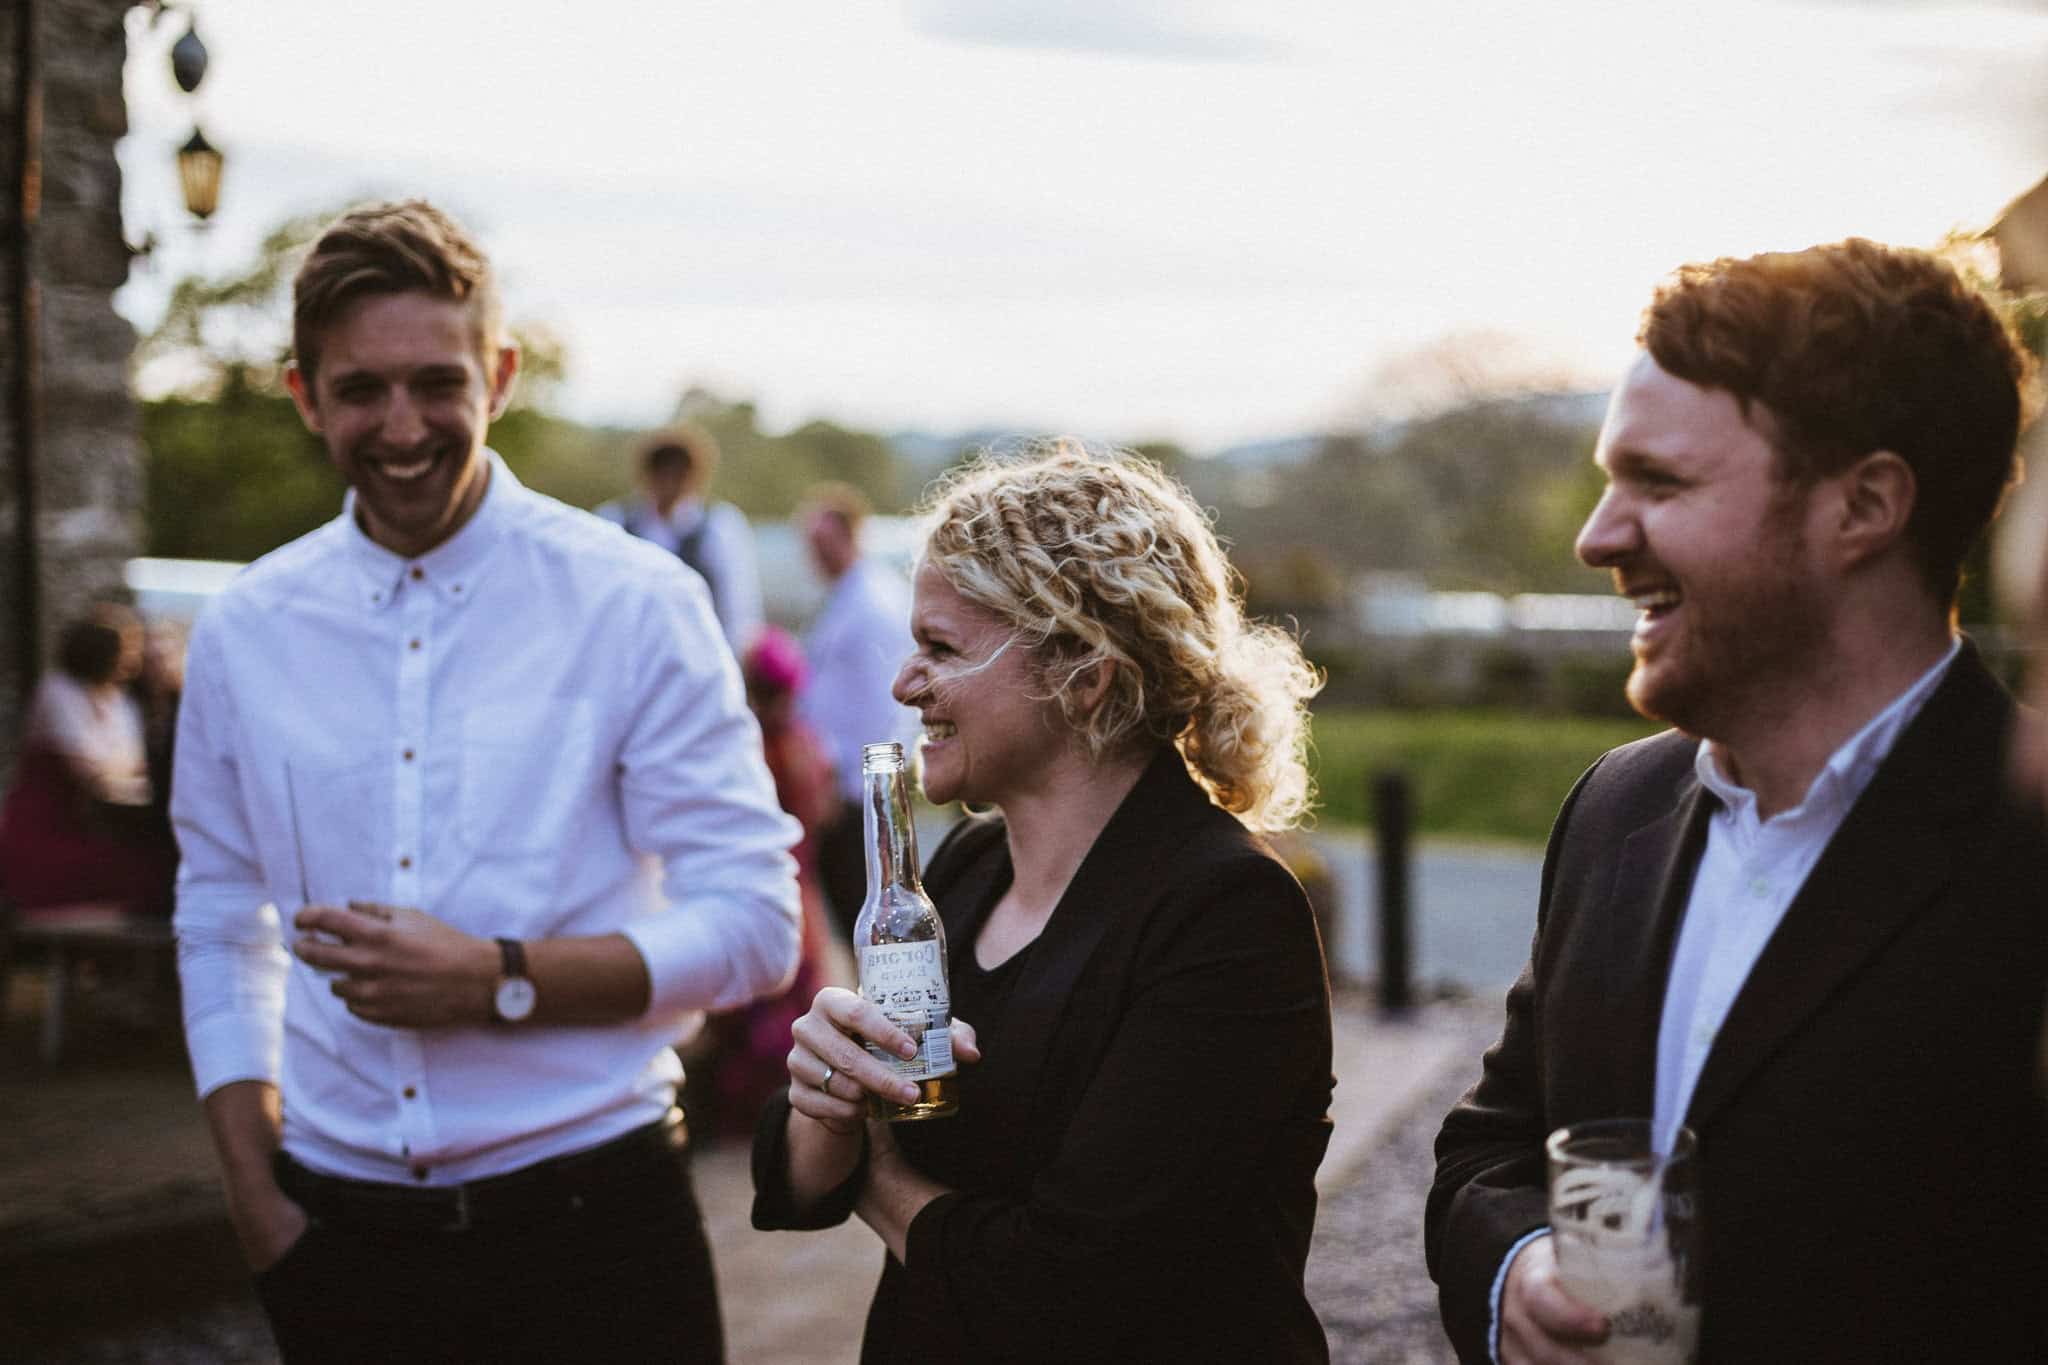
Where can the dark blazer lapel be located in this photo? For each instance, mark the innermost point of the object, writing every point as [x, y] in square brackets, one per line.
[1125, 870]
[975, 887]
[1886, 863]
[1652, 880]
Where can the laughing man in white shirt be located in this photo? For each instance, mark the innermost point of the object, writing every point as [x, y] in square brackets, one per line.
[474, 824]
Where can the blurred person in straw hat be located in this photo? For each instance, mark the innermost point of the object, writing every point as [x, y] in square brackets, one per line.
[673, 509]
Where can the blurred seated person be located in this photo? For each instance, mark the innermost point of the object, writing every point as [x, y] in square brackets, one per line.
[746, 1049]
[75, 826]
[1138, 990]
[672, 510]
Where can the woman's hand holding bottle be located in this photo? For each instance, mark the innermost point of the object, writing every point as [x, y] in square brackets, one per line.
[831, 1072]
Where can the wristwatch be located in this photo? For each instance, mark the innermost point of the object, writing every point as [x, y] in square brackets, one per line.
[516, 995]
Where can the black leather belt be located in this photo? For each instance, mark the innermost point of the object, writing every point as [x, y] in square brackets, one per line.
[588, 1181]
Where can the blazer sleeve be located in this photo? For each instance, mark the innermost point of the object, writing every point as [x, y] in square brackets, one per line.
[775, 1208]
[1199, 1094]
[1491, 1175]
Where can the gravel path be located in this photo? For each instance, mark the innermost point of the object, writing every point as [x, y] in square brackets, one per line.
[1366, 1275]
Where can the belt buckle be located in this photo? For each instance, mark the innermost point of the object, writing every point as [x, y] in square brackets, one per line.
[461, 1221]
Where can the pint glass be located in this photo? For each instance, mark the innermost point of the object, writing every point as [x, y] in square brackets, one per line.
[1625, 1223]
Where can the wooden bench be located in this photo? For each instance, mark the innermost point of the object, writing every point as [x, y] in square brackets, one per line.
[61, 931]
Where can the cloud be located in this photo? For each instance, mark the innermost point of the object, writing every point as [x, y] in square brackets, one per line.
[1162, 30]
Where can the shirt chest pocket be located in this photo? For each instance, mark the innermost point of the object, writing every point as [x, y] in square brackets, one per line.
[528, 773]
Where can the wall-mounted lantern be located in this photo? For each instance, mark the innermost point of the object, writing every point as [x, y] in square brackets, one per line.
[199, 166]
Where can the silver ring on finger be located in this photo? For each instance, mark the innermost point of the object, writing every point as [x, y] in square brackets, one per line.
[825, 1084]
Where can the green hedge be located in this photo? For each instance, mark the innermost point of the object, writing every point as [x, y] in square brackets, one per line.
[1476, 773]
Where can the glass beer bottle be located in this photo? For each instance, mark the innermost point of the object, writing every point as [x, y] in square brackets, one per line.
[900, 946]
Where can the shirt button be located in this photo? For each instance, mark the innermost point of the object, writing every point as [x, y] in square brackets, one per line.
[418, 573]
[410, 1093]
[408, 755]
[405, 862]
[1759, 888]
[413, 644]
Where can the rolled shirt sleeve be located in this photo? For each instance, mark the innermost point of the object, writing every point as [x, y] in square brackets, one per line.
[231, 959]
[697, 794]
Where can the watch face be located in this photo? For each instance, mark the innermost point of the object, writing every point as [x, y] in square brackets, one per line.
[515, 998]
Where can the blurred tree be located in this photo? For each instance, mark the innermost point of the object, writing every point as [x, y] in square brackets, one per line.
[232, 476]
[827, 450]
[1508, 485]
[1979, 255]
[1457, 370]
[236, 328]
[1485, 496]
[1291, 580]
[1168, 455]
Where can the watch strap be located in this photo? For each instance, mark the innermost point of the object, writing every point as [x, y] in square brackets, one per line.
[512, 956]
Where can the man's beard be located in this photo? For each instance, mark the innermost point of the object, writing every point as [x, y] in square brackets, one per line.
[1748, 646]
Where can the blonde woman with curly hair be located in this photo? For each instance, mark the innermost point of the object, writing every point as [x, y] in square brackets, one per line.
[1138, 987]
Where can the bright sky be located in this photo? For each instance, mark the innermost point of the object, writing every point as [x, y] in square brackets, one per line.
[1202, 220]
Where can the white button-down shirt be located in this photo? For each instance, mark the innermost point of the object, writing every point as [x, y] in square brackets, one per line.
[855, 647]
[1749, 874]
[534, 730]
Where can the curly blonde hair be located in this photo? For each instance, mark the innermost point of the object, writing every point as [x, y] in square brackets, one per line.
[1101, 557]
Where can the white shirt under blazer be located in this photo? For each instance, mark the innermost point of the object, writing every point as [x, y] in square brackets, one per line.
[534, 730]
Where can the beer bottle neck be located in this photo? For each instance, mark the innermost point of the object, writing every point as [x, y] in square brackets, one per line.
[891, 838]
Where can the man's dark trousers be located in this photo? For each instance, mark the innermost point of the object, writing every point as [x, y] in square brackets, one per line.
[590, 1259]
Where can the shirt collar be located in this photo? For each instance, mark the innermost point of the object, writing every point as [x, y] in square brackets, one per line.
[451, 569]
[1849, 769]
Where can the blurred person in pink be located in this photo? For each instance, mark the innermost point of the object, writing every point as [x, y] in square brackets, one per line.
[750, 1046]
[73, 828]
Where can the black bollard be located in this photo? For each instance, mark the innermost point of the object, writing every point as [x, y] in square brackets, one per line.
[1391, 807]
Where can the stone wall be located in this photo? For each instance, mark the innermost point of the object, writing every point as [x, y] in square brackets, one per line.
[87, 464]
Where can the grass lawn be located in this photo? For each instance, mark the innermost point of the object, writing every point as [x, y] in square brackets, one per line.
[1476, 774]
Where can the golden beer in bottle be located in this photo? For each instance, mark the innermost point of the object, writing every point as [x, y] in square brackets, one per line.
[900, 946]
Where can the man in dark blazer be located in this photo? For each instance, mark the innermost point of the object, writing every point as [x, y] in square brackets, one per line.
[1807, 922]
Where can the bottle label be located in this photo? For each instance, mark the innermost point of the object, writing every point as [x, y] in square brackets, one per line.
[908, 982]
